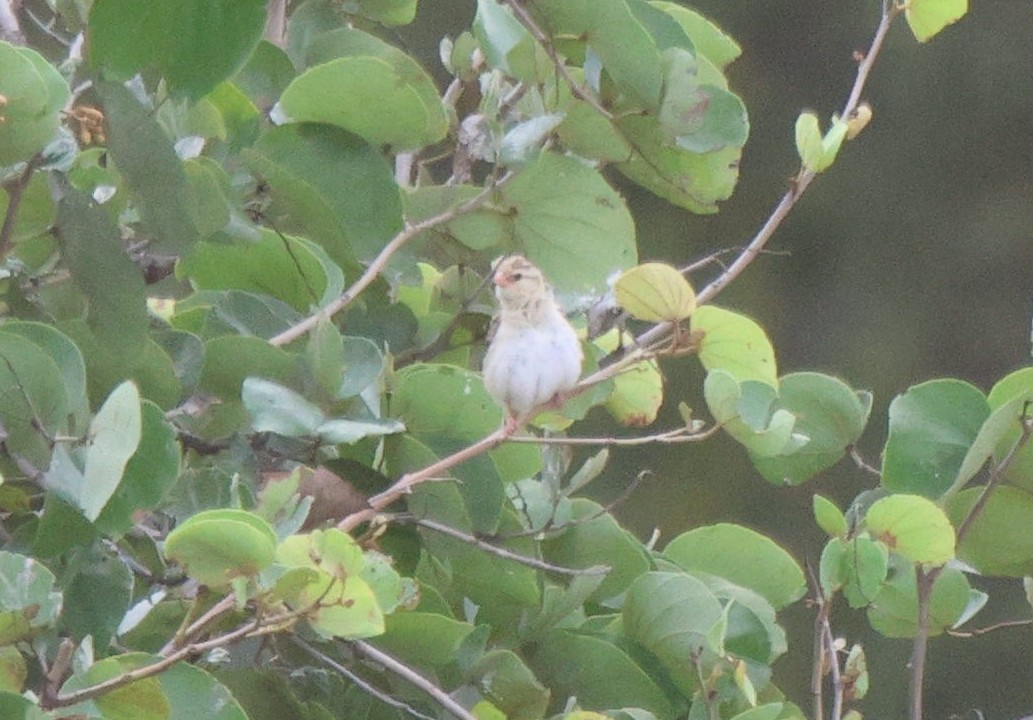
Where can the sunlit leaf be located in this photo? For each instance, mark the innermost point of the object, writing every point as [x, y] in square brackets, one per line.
[734, 343]
[216, 546]
[928, 17]
[914, 527]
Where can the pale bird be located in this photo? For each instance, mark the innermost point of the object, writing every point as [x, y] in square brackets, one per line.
[535, 355]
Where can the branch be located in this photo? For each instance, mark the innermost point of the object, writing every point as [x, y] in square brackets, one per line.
[407, 673]
[667, 437]
[359, 681]
[153, 669]
[376, 267]
[989, 628]
[407, 482]
[524, 18]
[800, 184]
[502, 552]
[15, 191]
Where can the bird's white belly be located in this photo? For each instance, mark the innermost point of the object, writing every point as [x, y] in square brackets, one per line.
[527, 366]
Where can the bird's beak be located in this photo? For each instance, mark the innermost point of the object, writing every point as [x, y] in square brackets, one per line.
[501, 279]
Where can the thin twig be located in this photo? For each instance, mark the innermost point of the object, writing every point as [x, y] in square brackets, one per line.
[15, 191]
[667, 437]
[407, 673]
[359, 681]
[989, 628]
[407, 482]
[833, 659]
[500, 552]
[153, 669]
[372, 272]
[799, 186]
[525, 19]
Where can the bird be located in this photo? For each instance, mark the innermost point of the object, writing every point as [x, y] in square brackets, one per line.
[535, 355]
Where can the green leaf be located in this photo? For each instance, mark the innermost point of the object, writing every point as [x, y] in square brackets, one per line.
[423, 639]
[931, 430]
[149, 475]
[195, 44]
[507, 45]
[291, 269]
[560, 657]
[28, 601]
[687, 179]
[277, 409]
[101, 268]
[35, 405]
[894, 611]
[748, 412]
[998, 541]
[672, 614]
[594, 538]
[742, 556]
[510, 686]
[363, 85]
[857, 566]
[35, 93]
[154, 174]
[114, 437]
[216, 546]
[97, 593]
[638, 391]
[914, 527]
[829, 517]
[36, 211]
[578, 236]
[734, 343]
[331, 186]
[179, 692]
[818, 152]
[13, 674]
[1004, 423]
[697, 116]
[69, 361]
[389, 12]
[708, 39]
[829, 414]
[1017, 384]
[928, 17]
[229, 360]
[628, 53]
[655, 292]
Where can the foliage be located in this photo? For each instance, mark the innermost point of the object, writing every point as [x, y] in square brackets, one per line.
[245, 301]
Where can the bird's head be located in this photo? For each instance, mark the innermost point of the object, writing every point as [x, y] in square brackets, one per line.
[518, 282]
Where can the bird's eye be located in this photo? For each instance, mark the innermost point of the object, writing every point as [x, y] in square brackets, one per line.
[517, 277]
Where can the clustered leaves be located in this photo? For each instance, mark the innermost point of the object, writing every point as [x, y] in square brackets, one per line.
[244, 292]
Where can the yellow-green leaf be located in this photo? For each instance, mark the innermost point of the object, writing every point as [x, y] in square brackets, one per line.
[914, 527]
[928, 17]
[655, 292]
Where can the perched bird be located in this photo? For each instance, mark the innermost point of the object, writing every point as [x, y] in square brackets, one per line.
[535, 354]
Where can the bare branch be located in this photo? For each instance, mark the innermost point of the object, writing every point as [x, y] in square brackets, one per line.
[667, 437]
[407, 673]
[359, 681]
[500, 552]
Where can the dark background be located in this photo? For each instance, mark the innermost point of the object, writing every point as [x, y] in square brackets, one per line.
[911, 259]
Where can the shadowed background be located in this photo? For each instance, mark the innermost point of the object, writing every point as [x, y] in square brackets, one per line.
[912, 258]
